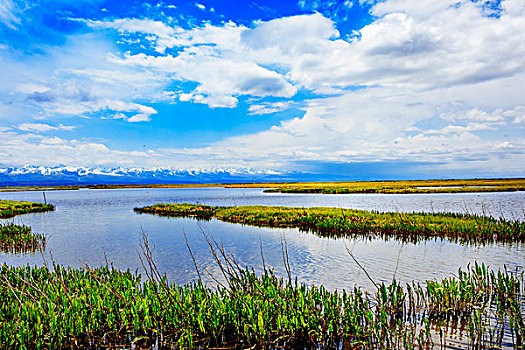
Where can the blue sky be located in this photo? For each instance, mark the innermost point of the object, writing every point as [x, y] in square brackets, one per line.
[417, 87]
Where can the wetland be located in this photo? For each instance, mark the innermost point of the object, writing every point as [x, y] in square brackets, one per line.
[90, 228]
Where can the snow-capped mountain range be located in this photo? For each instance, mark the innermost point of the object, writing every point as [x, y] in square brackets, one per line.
[68, 175]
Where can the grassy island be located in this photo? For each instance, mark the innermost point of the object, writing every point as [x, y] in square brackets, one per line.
[8, 209]
[68, 308]
[338, 222]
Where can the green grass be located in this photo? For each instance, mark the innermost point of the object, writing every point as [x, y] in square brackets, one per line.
[337, 222]
[64, 308]
[9, 209]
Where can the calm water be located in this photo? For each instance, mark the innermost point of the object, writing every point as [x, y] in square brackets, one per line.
[90, 223]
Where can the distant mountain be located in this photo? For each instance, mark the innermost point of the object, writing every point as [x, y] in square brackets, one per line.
[67, 175]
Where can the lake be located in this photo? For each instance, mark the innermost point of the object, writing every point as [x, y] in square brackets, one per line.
[89, 226]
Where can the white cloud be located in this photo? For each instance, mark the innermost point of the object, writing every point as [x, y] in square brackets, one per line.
[158, 31]
[415, 44]
[268, 107]
[412, 45]
[20, 149]
[221, 79]
[230, 60]
[40, 127]
[519, 118]
[139, 118]
[291, 37]
[457, 129]
[378, 124]
[200, 6]
[126, 107]
[134, 25]
[31, 88]
[420, 9]
[7, 13]
[68, 84]
[496, 116]
[117, 116]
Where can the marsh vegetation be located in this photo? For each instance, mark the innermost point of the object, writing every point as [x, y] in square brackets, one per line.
[63, 308]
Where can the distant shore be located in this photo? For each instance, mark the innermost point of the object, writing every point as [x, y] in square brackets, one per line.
[342, 187]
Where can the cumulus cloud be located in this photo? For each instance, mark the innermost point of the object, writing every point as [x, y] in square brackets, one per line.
[221, 80]
[414, 45]
[291, 37]
[229, 60]
[457, 129]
